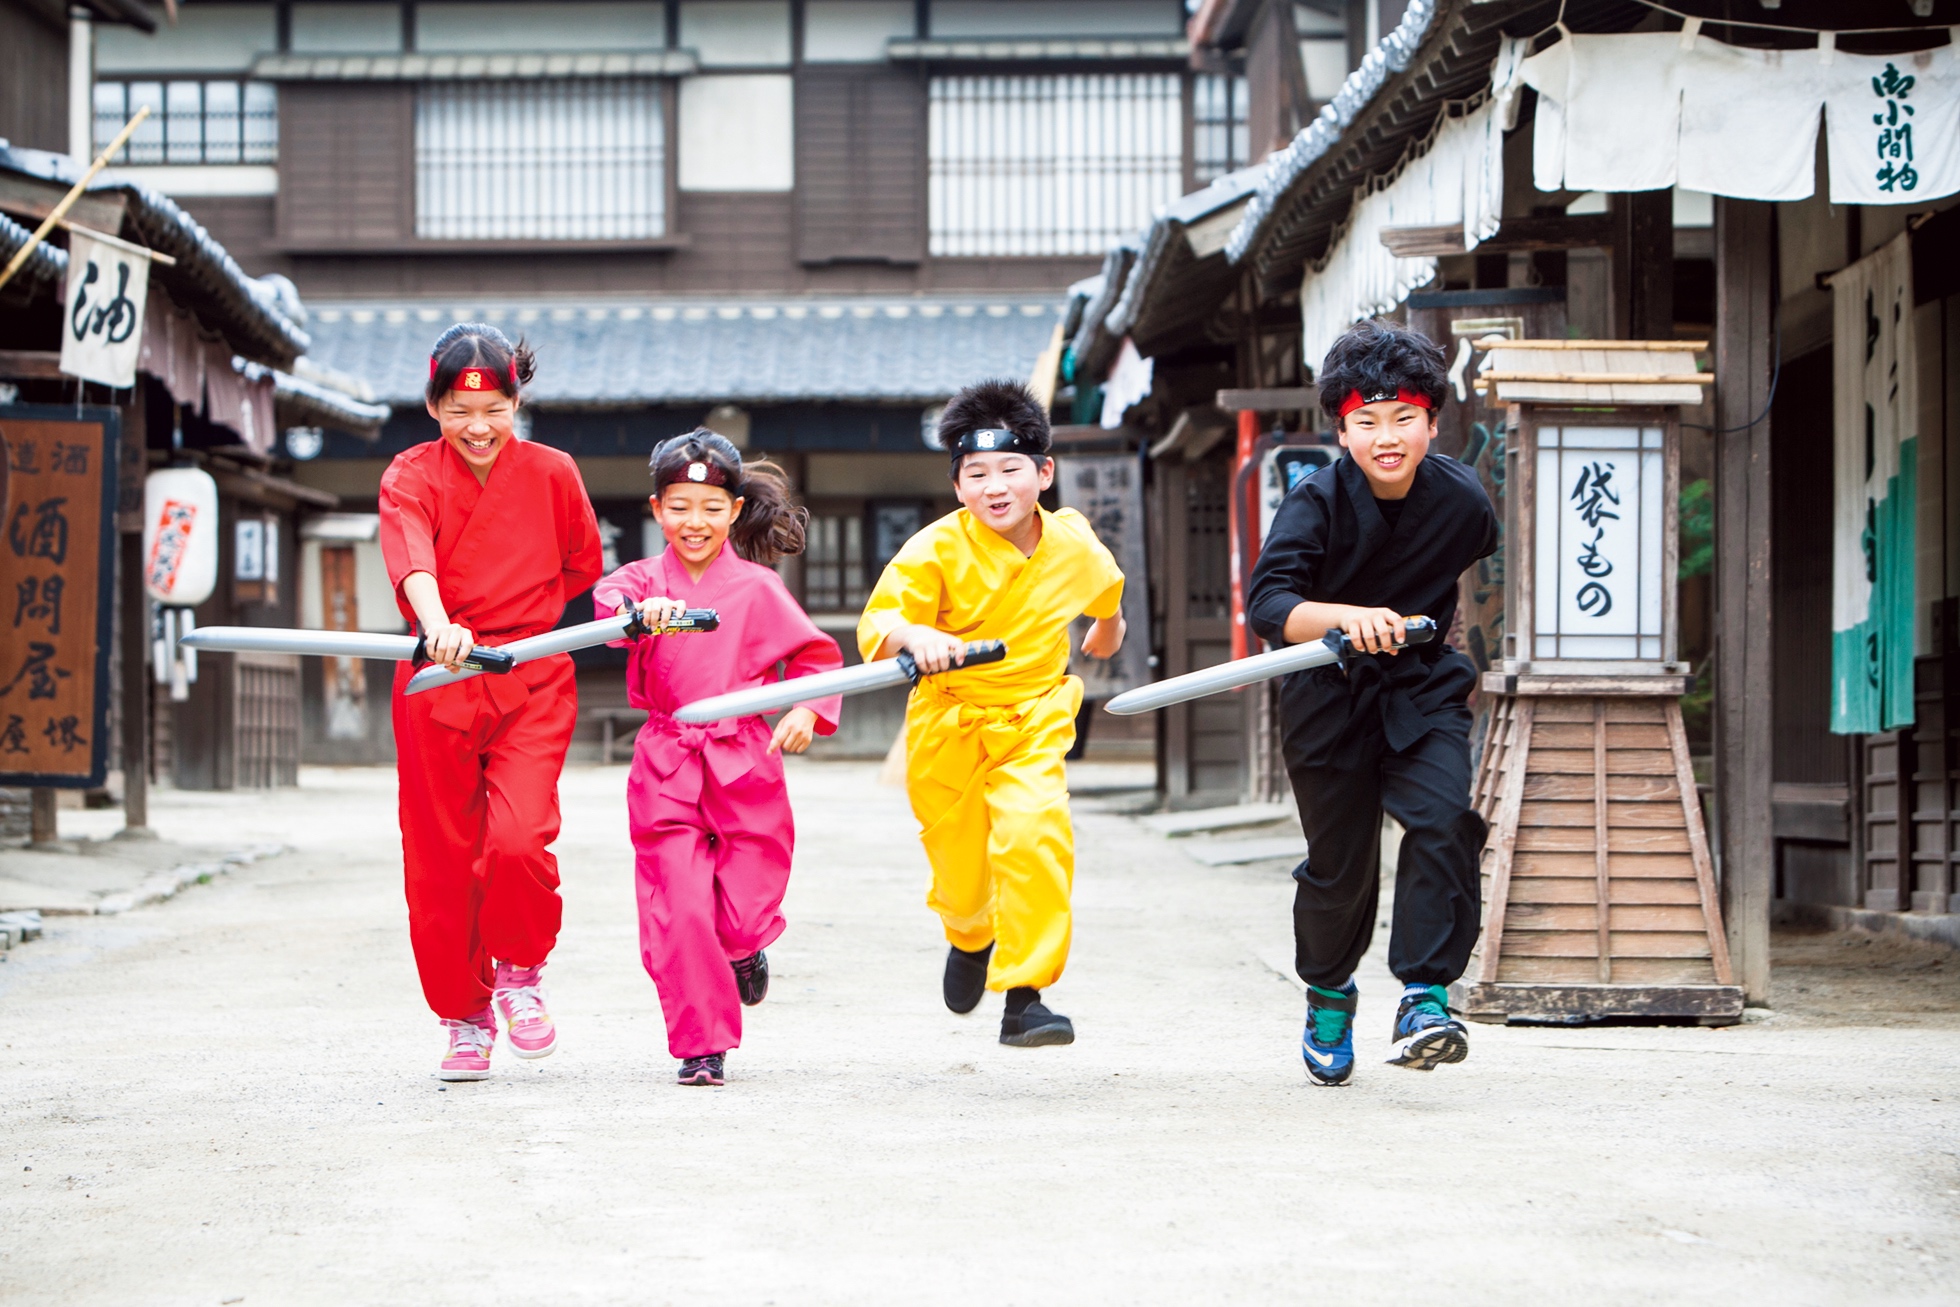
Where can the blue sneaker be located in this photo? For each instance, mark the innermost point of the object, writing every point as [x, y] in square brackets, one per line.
[1426, 1035]
[1327, 1045]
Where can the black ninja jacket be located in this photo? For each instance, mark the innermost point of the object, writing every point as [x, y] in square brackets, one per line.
[1329, 544]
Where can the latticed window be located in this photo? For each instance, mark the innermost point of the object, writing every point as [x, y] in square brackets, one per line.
[833, 563]
[571, 159]
[222, 121]
[1220, 142]
[1051, 164]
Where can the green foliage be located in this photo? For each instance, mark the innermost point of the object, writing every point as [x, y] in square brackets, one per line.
[1697, 528]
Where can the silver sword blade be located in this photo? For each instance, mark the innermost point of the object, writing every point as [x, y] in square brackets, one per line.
[1243, 671]
[782, 694]
[328, 644]
[530, 649]
[1216, 680]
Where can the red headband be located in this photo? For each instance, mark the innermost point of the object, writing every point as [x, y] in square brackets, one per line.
[1356, 399]
[479, 378]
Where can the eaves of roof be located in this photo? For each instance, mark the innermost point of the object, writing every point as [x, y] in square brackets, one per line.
[1056, 49]
[1093, 346]
[627, 353]
[205, 279]
[302, 402]
[473, 67]
[1441, 52]
[1182, 274]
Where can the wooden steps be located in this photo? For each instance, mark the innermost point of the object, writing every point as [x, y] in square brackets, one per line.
[1599, 892]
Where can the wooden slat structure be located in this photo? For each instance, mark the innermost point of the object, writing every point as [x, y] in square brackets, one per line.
[1598, 887]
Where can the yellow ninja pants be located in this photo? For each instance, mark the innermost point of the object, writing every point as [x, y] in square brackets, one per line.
[988, 787]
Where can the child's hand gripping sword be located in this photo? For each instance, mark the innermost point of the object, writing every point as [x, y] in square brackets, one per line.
[627, 625]
[846, 680]
[1334, 648]
[482, 659]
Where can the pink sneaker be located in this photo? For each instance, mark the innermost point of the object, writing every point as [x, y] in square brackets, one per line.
[469, 1050]
[520, 1002]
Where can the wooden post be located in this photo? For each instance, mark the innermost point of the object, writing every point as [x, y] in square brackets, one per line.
[136, 692]
[1643, 264]
[1744, 702]
[44, 831]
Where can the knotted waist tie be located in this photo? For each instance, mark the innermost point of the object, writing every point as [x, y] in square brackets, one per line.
[997, 730]
[1384, 685]
[682, 754]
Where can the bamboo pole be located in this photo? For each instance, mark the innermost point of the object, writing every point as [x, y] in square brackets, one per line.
[60, 210]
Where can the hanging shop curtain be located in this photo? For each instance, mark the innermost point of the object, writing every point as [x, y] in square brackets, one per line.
[1875, 464]
[1641, 111]
[1455, 176]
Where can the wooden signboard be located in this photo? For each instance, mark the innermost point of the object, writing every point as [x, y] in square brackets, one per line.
[57, 594]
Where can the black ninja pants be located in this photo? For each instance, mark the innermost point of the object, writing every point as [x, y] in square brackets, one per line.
[1438, 903]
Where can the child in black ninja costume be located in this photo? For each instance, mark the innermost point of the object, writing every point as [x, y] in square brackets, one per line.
[1380, 535]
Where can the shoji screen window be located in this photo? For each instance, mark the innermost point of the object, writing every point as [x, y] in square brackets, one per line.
[561, 160]
[1051, 164]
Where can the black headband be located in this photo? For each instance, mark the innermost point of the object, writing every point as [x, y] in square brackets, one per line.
[996, 440]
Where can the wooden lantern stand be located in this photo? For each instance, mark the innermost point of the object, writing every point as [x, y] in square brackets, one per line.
[1600, 900]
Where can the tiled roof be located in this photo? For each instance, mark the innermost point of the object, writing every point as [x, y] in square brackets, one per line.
[618, 353]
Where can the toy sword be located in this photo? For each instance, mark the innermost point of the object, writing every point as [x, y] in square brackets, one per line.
[623, 626]
[496, 660]
[1334, 648]
[846, 680]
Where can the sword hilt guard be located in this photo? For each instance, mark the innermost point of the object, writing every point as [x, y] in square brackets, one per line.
[481, 658]
[977, 653]
[1415, 630]
[691, 622]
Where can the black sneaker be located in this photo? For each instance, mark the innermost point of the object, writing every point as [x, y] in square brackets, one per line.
[966, 978]
[1030, 1024]
[702, 1070]
[752, 978]
[1426, 1035]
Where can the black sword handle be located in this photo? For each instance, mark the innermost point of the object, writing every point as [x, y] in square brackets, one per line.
[977, 653]
[1416, 630]
[481, 658]
[691, 622]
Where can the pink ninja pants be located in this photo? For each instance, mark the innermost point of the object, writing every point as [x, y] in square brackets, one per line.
[710, 877]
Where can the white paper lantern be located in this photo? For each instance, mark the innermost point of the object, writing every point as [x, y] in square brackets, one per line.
[180, 536]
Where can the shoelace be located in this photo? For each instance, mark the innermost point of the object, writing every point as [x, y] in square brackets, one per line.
[1330, 1025]
[524, 1002]
[469, 1033]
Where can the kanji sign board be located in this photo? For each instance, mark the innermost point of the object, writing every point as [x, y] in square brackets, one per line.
[57, 594]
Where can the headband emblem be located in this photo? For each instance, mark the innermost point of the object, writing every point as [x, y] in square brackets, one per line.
[697, 471]
[993, 440]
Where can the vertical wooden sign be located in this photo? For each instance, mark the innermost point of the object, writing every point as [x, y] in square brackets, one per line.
[57, 594]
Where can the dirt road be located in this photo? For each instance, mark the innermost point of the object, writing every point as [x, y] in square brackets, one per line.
[226, 1098]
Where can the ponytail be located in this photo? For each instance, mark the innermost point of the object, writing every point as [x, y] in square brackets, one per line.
[772, 524]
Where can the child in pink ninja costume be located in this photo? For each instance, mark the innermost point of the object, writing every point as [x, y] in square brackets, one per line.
[712, 833]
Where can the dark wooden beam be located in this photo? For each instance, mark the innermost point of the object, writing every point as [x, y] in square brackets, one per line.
[30, 364]
[1521, 235]
[1269, 400]
[1744, 676]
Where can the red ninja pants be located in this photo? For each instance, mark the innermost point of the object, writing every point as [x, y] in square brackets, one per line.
[711, 873]
[478, 764]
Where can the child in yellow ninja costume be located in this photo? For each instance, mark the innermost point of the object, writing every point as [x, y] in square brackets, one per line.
[984, 749]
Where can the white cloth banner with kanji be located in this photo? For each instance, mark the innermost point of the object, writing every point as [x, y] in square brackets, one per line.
[102, 322]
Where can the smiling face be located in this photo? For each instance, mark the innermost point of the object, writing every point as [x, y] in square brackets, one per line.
[1003, 490]
[477, 425]
[1388, 440]
[695, 519]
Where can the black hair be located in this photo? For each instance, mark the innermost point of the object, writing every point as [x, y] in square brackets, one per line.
[479, 345]
[772, 524]
[997, 405]
[1373, 357]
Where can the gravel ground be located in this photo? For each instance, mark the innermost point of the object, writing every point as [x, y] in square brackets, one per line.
[227, 1098]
